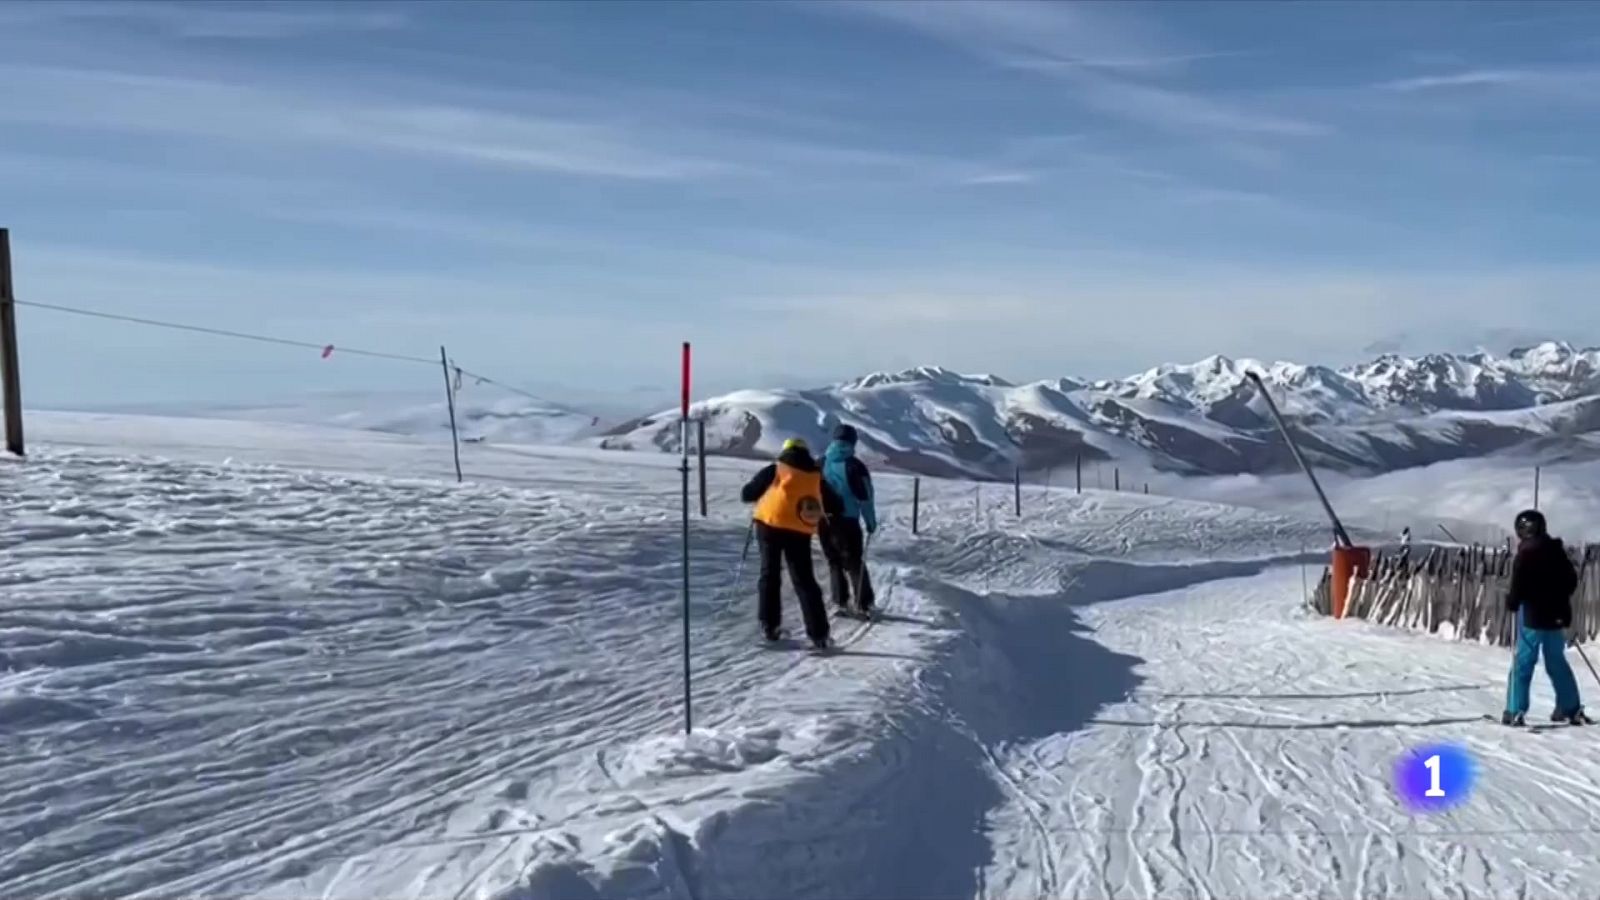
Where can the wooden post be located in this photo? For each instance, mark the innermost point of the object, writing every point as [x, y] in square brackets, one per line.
[1147, 487]
[1080, 473]
[1016, 485]
[1535, 480]
[977, 503]
[1116, 479]
[916, 502]
[10, 363]
[701, 429]
[450, 402]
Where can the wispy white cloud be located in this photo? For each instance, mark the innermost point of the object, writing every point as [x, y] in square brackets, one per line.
[1573, 83]
[1469, 78]
[749, 254]
[214, 20]
[195, 108]
[996, 179]
[519, 140]
[103, 177]
[1165, 108]
[1105, 57]
[475, 230]
[587, 137]
[1028, 34]
[1212, 196]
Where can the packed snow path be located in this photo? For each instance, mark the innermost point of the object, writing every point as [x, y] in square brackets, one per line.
[1242, 750]
[225, 678]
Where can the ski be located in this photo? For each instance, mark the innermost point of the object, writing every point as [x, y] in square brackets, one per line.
[1529, 726]
[786, 643]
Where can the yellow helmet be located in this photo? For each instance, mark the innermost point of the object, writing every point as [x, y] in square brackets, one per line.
[794, 444]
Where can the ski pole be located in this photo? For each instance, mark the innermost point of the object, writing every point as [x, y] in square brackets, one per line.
[861, 573]
[738, 570]
[1585, 657]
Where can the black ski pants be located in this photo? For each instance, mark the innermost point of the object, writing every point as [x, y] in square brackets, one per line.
[792, 549]
[844, 546]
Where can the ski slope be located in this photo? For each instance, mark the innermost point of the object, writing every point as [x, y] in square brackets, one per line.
[260, 660]
[1241, 746]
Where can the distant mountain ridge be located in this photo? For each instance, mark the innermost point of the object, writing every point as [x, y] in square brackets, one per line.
[1203, 418]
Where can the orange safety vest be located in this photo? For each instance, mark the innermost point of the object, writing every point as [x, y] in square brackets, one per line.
[793, 502]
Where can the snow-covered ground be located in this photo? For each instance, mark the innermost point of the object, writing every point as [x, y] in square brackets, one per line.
[483, 412]
[287, 661]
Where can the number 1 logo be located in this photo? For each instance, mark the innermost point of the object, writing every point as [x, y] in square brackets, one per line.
[1434, 778]
[1434, 790]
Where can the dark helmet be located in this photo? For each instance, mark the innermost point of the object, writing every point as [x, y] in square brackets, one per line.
[1530, 523]
[845, 433]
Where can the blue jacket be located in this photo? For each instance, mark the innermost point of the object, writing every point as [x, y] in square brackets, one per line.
[849, 479]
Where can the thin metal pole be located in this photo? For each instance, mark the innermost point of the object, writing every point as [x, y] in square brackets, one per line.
[700, 427]
[450, 402]
[1294, 448]
[916, 502]
[10, 365]
[1535, 487]
[1586, 662]
[688, 702]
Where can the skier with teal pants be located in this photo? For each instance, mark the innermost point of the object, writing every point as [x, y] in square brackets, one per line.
[843, 542]
[1542, 583]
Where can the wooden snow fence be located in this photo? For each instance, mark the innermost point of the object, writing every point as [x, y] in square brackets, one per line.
[1461, 589]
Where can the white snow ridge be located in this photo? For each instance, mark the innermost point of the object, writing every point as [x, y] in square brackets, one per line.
[1206, 418]
[244, 660]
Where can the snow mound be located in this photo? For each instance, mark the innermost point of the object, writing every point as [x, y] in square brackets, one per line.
[700, 753]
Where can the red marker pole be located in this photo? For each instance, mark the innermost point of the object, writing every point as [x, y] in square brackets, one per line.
[688, 709]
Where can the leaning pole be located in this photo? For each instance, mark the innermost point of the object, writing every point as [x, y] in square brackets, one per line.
[1349, 560]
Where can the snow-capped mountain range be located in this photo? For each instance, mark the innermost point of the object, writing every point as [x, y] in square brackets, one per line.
[1390, 413]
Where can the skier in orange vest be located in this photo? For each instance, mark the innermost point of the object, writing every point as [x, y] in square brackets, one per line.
[791, 500]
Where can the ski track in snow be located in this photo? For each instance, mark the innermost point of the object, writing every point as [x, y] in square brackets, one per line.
[1257, 750]
[224, 677]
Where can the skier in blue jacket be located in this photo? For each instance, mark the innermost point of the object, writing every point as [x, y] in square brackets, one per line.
[843, 543]
[1542, 583]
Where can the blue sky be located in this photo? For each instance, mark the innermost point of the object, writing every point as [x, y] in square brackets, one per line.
[562, 193]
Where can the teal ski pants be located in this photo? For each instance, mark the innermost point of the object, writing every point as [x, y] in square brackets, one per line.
[1530, 643]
